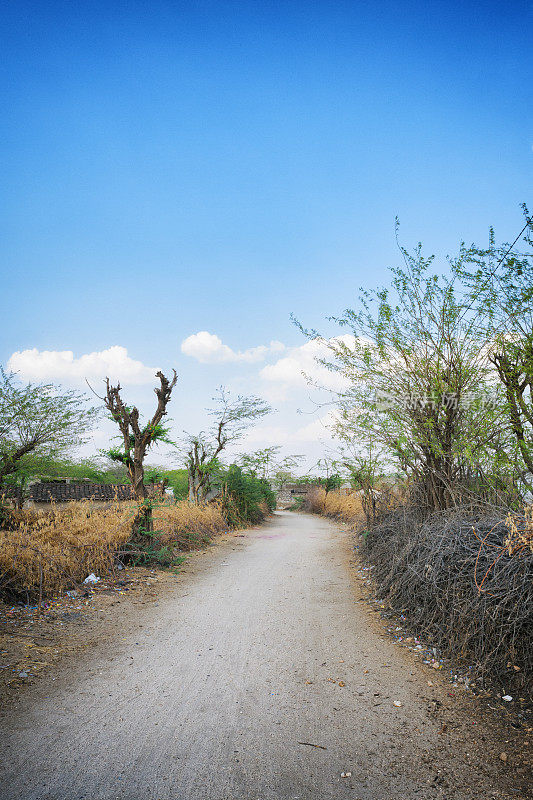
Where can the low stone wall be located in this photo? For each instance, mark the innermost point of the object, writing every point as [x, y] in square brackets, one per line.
[41, 494]
[287, 495]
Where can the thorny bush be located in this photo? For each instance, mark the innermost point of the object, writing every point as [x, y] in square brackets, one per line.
[462, 577]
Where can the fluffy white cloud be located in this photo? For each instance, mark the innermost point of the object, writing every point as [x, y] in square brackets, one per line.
[301, 361]
[208, 348]
[48, 365]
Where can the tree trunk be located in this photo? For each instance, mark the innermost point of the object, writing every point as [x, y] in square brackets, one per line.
[143, 522]
[197, 487]
[193, 489]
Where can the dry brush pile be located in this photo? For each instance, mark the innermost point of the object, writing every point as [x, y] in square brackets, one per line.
[42, 553]
[462, 577]
[460, 584]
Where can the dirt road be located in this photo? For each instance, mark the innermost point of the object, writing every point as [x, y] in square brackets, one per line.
[260, 677]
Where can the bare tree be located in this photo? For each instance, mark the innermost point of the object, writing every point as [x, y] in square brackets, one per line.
[232, 417]
[138, 438]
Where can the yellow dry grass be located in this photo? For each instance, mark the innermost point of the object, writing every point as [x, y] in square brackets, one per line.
[45, 552]
[520, 532]
[346, 507]
[49, 550]
[186, 525]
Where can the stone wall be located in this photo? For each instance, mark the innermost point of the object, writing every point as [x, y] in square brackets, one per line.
[287, 495]
[41, 494]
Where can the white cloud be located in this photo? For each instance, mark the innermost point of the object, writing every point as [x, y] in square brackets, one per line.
[208, 348]
[50, 365]
[300, 361]
[317, 430]
[266, 435]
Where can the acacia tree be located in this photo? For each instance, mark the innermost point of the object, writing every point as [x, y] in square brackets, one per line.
[284, 471]
[138, 437]
[232, 417]
[267, 464]
[38, 422]
[365, 465]
[261, 463]
[418, 380]
[501, 288]
[328, 474]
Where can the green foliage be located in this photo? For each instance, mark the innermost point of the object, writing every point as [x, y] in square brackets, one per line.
[268, 464]
[439, 376]
[5, 513]
[245, 496]
[178, 481]
[330, 483]
[261, 462]
[175, 479]
[97, 471]
[38, 421]
[149, 551]
[419, 382]
[232, 417]
[500, 286]
[326, 473]
[297, 504]
[155, 434]
[34, 466]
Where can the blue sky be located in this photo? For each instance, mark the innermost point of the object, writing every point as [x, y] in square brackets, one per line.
[173, 168]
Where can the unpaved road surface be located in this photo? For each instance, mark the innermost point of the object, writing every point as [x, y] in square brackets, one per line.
[222, 689]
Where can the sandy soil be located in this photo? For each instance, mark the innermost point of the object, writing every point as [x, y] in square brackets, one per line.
[260, 673]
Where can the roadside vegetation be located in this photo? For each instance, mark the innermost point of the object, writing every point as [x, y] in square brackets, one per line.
[436, 426]
[434, 467]
[462, 580]
[48, 551]
[45, 552]
[54, 548]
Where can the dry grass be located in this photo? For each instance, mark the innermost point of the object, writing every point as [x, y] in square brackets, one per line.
[345, 507]
[519, 538]
[42, 553]
[48, 551]
[187, 526]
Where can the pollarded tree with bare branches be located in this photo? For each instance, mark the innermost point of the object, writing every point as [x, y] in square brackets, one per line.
[138, 438]
[232, 417]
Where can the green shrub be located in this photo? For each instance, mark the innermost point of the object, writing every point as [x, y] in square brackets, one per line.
[245, 498]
